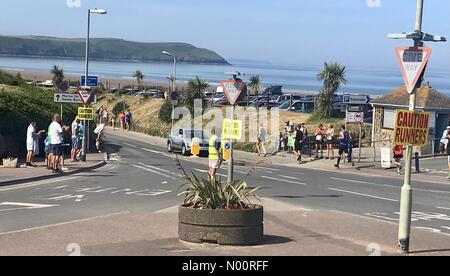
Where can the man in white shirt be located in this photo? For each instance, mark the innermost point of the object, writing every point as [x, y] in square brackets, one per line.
[75, 140]
[262, 133]
[32, 143]
[56, 132]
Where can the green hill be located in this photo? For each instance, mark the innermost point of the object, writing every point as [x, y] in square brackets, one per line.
[104, 49]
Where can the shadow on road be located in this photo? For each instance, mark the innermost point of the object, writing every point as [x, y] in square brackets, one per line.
[308, 196]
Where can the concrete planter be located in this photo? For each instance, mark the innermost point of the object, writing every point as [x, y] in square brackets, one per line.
[225, 227]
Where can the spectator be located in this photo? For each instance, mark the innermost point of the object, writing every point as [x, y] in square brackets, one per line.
[330, 134]
[215, 155]
[128, 120]
[76, 145]
[122, 120]
[113, 121]
[56, 132]
[319, 141]
[444, 140]
[105, 117]
[32, 143]
[300, 136]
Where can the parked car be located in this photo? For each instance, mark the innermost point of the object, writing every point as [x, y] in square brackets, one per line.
[181, 140]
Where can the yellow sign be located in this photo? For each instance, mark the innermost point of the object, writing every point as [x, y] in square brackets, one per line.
[411, 128]
[195, 147]
[86, 114]
[232, 129]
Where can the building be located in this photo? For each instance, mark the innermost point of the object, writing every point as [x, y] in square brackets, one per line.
[428, 100]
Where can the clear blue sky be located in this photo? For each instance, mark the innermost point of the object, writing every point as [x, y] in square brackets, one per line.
[305, 32]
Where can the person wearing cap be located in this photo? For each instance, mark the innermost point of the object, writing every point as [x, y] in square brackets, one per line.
[444, 140]
[32, 143]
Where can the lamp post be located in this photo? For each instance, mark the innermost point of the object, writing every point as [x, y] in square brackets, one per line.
[174, 68]
[86, 74]
[406, 192]
[173, 81]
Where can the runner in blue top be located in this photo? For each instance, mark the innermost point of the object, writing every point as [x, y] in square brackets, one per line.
[345, 146]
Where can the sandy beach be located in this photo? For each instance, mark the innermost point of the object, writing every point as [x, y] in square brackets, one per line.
[111, 82]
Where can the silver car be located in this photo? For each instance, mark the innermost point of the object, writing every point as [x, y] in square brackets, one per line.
[181, 140]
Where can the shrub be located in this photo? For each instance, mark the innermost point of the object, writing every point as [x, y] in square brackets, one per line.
[120, 107]
[165, 113]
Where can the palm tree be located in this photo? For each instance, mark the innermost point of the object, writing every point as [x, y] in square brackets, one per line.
[333, 76]
[139, 77]
[255, 85]
[195, 90]
[58, 76]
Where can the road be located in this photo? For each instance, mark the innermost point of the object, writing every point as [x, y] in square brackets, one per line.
[141, 176]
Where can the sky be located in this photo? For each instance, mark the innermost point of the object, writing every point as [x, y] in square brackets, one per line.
[296, 32]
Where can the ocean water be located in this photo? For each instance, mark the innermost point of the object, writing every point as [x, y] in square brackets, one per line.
[372, 81]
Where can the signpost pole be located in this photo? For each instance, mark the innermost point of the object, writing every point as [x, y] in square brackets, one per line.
[231, 161]
[360, 138]
[406, 191]
[61, 112]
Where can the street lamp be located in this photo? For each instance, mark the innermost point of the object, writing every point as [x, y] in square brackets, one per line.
[174, 68]
[86, 74]
[173, 81]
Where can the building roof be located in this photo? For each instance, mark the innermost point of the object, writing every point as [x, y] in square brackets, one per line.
[427, 98]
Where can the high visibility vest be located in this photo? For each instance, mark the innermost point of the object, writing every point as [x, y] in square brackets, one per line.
[213, 154]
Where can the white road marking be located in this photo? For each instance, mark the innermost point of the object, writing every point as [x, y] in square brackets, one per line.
[445, 227]
[288, 177]
[205, 171]
[236, 171]
[120, 191]
[38, 183]
[24, 206]
[64, 223]
[380, 216]
[282, 180]
[102, 190]
[153, 171]
[61, 187]
[366, 195]
[160, 169]
[152, 151]
[131, 145]
[443, 208]
[388, 186]
[78, 198]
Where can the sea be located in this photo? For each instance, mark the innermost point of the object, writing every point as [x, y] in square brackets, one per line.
[293, 78]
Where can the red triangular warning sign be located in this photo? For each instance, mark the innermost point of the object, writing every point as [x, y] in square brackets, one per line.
[412, 63]
[232, 89]
[85, 95]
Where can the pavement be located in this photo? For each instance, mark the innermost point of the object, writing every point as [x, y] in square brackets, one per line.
[128, 207]
[10, 176]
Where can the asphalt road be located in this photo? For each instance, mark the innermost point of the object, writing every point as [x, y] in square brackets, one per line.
[145, 177]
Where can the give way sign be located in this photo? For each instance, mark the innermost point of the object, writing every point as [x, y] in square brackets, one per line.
[232, 89]
[412, 64]
[85, 94]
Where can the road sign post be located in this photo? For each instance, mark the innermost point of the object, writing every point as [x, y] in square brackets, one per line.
[413, 61]
[85, 94]
[232, 90]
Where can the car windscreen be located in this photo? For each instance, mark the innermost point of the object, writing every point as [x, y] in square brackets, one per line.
[194, 134]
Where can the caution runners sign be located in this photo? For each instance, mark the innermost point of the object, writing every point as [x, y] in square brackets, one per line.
[411, 128]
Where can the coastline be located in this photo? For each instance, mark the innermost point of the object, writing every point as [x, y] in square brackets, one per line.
[113, 82]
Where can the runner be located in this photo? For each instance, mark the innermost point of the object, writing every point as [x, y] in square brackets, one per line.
[398, 156]
[113, 121]
[262, 133]
[299, 142]
[447, 149]
[330, 142]
[319, 141]
[215, 155]
[444, 140]
[128, 120]
[32, 143]
[344, 143]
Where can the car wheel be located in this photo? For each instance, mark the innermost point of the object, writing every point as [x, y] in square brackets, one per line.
[169, 147]
[184, 151]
